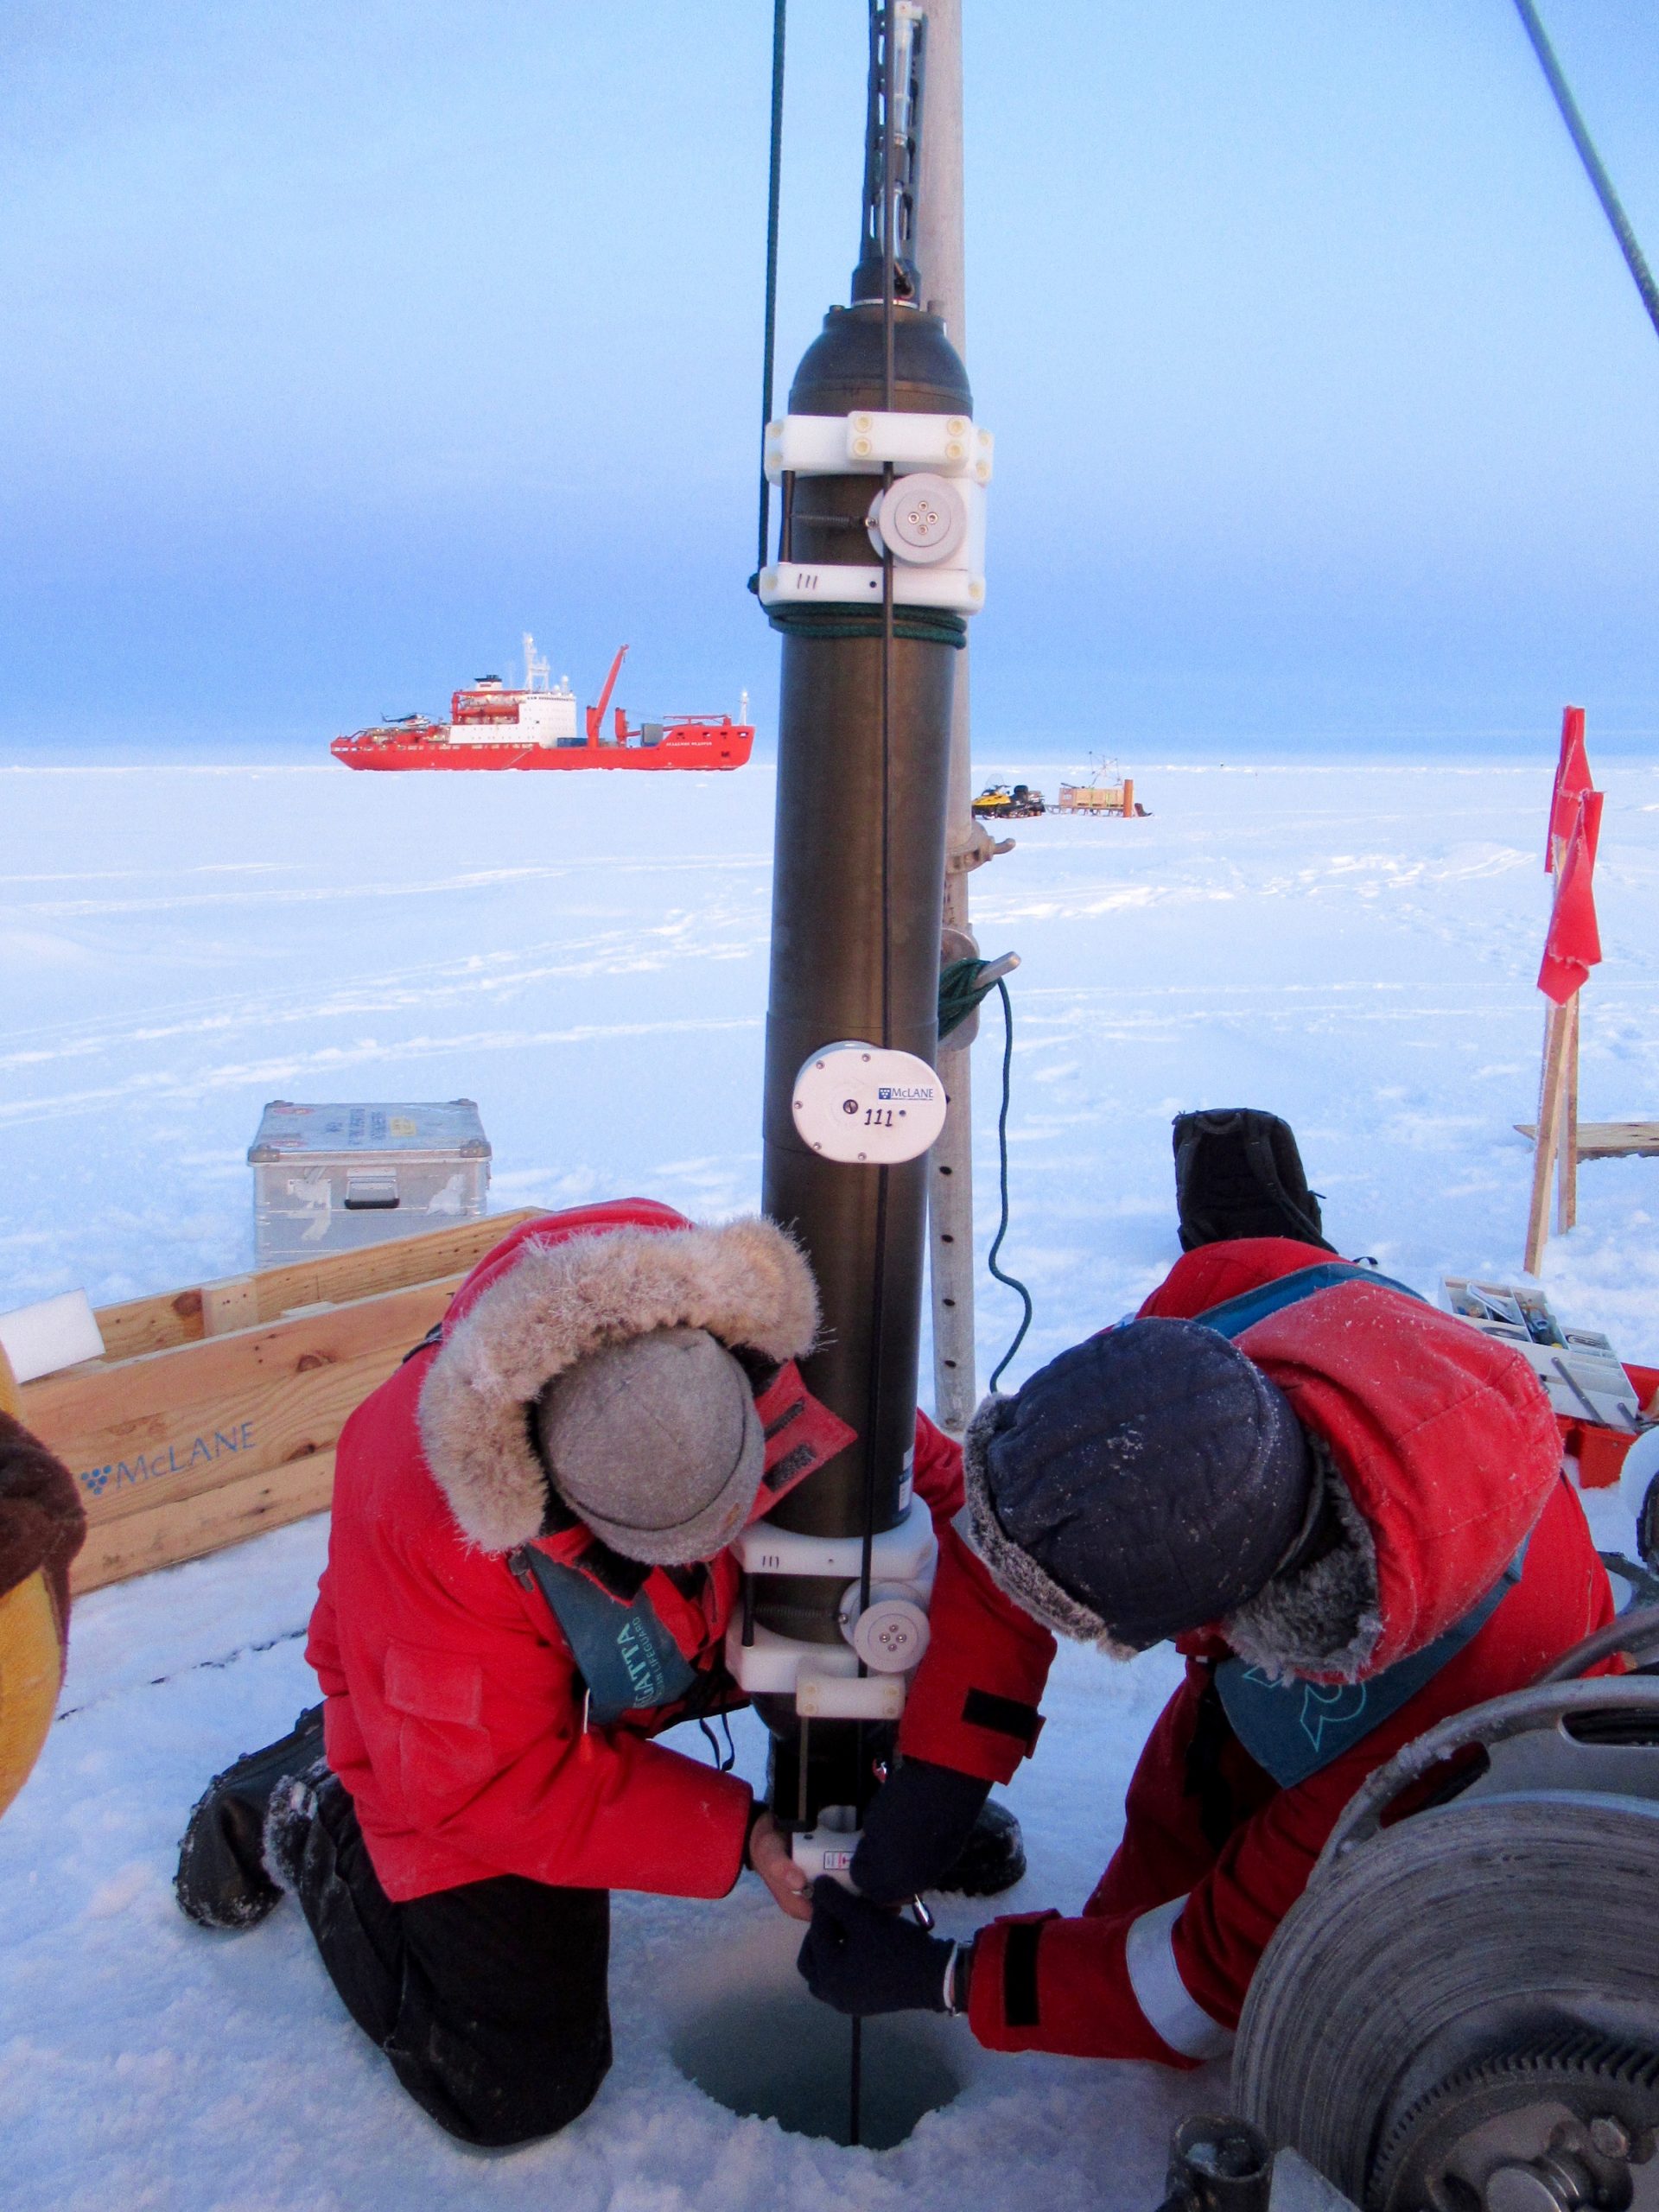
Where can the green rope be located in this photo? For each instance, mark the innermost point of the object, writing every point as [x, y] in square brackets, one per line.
[927, 626]
[1012, 1282]
[960, 992]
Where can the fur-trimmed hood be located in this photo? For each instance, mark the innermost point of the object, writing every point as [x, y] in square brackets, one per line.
[1436, 1452]
[1318, 1616]
[565, 1291]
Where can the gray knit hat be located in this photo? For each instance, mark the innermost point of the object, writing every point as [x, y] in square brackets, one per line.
[656, 1445]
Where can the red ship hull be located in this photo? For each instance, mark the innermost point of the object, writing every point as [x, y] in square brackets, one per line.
[689, 745]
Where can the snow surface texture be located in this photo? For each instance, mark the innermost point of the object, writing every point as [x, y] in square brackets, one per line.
[1354, 946]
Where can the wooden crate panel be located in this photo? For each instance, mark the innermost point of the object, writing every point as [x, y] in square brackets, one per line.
[175, 1426]
[184, 1317]
[164, 1533]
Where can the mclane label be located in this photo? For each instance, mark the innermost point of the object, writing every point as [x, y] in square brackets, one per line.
[169, 1459]
[914, 1091]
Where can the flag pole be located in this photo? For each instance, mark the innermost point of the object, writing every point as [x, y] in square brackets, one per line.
[1550, 1102]
[1566, 1187]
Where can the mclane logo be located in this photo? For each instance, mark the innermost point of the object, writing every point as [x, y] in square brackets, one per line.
[173, 1459]
[923, 1090]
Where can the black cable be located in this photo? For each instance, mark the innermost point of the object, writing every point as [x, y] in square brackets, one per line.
[1012, 1282]
[1603, 184]
[769, 350]
[881, 12]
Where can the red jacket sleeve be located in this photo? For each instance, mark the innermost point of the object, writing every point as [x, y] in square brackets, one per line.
[1159, 1964]
[937, 1471]
[973, 1705]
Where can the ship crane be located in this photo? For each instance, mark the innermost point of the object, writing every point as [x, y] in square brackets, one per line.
[596, 713]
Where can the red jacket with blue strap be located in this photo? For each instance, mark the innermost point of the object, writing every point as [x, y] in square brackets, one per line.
[1448, 1449]
[457, 1715]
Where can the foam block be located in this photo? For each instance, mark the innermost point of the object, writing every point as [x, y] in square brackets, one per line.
[57, 1332]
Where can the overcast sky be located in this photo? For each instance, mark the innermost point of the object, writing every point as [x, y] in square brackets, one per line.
[346, 340]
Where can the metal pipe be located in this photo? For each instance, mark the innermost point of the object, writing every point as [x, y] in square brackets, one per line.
[774, 186]
[940, 252]
[836, 972]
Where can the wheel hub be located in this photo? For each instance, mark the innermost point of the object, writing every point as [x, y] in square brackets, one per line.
[1567, 2124]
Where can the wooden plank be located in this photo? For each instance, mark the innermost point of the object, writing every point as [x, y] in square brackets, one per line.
[145, 1325]
[164, 1535]
[233, 1304]
[177, 1316]
[221, 1419]
[335, 1277]
[178, 1424]
[1608, 1140]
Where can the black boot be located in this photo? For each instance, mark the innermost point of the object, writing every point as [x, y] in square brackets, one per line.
[993, 1859]
[222, 1881]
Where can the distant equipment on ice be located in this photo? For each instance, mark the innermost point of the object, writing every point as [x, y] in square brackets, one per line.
[1101, 798]
[1101, 795]
[1007, 803]
[331, 1179]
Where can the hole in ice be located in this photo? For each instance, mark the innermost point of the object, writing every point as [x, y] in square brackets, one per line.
[778, 2055]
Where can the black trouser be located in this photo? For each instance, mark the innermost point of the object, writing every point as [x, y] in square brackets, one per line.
[489, 1999]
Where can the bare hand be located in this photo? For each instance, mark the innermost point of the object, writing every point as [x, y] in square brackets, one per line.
[769, 1855]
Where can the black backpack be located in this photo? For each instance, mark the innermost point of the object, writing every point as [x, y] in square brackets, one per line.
[1238, 1174]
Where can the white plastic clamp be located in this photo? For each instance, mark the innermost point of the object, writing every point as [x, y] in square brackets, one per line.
[824, 1678]
[934, 527]
[866, 441]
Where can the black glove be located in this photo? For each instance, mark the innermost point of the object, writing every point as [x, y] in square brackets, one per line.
[915, 1830]
[859, 1959]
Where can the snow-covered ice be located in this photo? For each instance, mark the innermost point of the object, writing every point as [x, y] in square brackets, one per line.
[1352, 943]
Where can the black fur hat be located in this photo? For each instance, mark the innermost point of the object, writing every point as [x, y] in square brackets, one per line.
[1147, 1481]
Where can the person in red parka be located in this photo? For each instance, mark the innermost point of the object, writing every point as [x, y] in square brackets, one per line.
[528, 1580]
[1349, 1512]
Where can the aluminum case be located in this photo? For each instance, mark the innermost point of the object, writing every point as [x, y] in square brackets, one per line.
[334, 1178]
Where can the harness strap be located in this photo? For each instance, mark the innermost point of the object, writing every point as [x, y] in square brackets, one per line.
[1292, 1728]
[627, 1658]
[1235, 1315]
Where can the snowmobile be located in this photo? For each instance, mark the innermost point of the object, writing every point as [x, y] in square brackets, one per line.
[1003, 803]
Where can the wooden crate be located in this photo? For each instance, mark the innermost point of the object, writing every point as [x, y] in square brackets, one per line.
[215, 1413]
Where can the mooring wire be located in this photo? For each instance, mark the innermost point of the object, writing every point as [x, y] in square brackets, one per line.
[881, 14]
[769, 349]
[1635, 260]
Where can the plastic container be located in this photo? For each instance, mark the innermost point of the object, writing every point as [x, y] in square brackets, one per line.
[332, 1178]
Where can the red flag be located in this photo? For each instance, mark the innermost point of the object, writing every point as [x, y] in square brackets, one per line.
[1592, 805]
[1573, 779]
[1573, 945]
